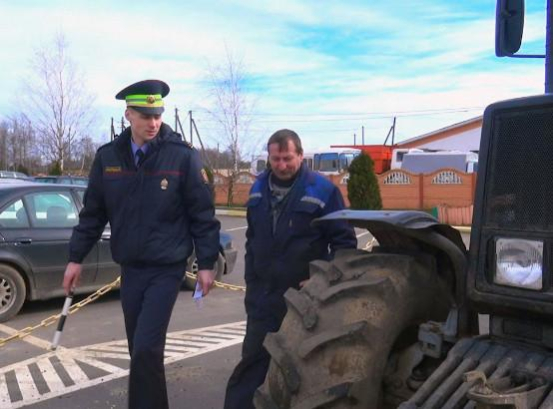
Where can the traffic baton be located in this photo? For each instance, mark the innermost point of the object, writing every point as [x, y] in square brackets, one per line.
[61, 322]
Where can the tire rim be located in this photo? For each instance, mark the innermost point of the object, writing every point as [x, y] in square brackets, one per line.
[194, 267]
[7, 294]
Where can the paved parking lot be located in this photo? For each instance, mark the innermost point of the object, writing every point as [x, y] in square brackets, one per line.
[89, 369]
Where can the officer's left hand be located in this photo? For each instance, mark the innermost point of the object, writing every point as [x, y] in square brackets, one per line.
[205, 278]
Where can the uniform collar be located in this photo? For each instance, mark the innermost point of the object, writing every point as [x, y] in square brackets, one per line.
[135, 148]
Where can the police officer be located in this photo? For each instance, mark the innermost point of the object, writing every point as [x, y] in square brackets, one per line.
[149, 185]
[280, 243]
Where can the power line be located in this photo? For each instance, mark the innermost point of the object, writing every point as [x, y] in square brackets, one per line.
[356, 117]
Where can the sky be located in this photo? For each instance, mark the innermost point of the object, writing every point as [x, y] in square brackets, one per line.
[327, 69]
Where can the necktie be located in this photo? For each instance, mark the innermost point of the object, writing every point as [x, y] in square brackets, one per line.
[139, 157]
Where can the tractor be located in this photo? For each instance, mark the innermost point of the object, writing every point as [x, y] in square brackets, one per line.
[402, 325]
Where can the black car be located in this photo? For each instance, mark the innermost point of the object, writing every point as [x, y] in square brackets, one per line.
[64, 180]
[36, 222]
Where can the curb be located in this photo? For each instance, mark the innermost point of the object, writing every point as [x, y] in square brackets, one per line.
[230, 212]
[462, 229]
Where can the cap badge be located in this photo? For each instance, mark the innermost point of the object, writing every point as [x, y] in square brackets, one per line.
[150, 99]
[164, 183]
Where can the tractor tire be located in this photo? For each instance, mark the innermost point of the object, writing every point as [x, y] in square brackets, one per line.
[12, 292]
[333, 346]
[192, 266]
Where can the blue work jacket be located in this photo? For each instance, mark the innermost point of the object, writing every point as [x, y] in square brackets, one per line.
[277, 259]
[159, 213]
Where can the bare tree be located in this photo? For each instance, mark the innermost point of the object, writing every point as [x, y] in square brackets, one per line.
[232, 110]
[56, 100]
[18, 147]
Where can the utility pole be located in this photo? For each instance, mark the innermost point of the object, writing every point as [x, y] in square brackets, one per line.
[191, 124]
[363, 135]
[549, 49]
[112, 128]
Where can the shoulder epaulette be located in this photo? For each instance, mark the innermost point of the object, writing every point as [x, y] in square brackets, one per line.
[181, 141]
[105, 145]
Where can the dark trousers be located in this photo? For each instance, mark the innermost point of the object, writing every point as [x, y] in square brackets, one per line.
[250, 372]
[148, 295]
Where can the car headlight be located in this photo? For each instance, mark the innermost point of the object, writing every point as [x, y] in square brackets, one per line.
[519, 263]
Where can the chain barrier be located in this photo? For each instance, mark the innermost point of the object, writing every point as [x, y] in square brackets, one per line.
[91, 298]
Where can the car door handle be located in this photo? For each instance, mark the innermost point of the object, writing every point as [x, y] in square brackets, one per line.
[24, 240]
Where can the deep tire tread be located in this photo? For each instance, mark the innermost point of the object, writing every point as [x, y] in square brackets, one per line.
[343, 334]
[273, 344]
[381, 284]
[323, 398]
[304, 307]
[362, 302]
[263, 401]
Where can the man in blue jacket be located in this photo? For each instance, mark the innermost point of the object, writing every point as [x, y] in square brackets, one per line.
[280, 243]
[150, 186]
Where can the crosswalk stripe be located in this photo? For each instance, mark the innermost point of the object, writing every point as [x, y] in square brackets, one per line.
[26, 383]
[99, 354]
[77, 375]
[197, 338]
[219, 335]
[100, 364]
[5, 399]
[114, 348]
[49, 374]
[180, 348]
[230, 331]
[61, 372]
[194, 343]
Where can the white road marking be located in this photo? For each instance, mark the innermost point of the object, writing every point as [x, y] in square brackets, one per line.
[4, 394]
[237, 228]
[49, 373]
[74, 371]
[362, 234]
[37, 342]
[180, 345]
[26, 384]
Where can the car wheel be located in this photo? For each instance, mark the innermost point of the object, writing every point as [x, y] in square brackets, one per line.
[190, 283]
[12, 292]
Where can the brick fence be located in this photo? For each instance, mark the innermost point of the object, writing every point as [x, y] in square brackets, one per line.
[443, 189]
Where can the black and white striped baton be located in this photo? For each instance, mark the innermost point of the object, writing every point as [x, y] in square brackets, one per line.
[61, 322]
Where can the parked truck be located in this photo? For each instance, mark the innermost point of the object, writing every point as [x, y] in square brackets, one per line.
[398, 326]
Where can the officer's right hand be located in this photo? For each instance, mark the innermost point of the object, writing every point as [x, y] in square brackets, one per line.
[71, 276]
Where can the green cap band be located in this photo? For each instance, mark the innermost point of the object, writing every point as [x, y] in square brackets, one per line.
[148, 101]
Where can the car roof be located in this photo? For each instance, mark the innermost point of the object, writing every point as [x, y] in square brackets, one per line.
[30, 186]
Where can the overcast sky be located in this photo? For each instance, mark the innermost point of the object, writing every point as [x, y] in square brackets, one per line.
[322, 68]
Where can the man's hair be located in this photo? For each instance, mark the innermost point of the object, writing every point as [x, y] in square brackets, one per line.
[282, 137]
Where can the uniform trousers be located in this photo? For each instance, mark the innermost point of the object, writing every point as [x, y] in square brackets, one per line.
[148, 295]
[250, 372]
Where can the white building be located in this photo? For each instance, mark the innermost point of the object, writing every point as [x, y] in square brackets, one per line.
[463, 136]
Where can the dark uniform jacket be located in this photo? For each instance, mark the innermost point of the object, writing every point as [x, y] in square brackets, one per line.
[157, 213]
[278, 260]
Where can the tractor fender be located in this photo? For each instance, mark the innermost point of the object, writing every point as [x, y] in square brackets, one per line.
[415, 231]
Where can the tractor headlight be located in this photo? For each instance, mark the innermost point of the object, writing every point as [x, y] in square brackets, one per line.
[519, 263]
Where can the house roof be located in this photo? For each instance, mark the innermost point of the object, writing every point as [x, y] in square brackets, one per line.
[441, 133]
